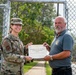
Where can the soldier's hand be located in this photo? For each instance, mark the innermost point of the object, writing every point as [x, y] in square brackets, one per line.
[26, 46]
[28, 58]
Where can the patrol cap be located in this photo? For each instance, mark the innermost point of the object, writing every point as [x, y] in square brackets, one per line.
[16, 21]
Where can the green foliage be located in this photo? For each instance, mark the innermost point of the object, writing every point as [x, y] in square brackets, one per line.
[1, 23]
[49, 34]
[74, 53]
[37, 19]
[31, 12]
[3, 1]
[48, 69]
[37, 34]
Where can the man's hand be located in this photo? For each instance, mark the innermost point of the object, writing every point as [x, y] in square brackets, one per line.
[47, 46]
[47, 58]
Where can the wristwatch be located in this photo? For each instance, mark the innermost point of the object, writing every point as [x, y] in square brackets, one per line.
[51, 57]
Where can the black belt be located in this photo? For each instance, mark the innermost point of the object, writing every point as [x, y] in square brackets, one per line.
[62, 68]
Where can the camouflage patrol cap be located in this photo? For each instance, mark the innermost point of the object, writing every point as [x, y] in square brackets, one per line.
[16, 21]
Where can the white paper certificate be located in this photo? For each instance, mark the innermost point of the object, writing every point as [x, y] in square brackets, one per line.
[37, 51]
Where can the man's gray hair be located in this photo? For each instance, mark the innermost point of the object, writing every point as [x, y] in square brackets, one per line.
[62, 18]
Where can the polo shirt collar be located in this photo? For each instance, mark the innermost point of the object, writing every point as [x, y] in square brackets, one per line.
[62, 33]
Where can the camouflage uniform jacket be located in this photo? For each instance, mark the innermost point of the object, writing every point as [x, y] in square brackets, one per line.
[13, 52]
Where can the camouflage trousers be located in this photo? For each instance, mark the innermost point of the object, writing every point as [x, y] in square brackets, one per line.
[8, 73]
[0, 73]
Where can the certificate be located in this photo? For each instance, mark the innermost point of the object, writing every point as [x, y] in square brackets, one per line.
[37, 51]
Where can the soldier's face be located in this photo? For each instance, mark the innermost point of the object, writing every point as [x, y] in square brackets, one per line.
[16, 28]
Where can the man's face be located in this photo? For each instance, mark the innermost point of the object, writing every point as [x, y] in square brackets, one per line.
[59, 25]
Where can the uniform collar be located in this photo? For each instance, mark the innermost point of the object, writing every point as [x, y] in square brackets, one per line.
[13, 37]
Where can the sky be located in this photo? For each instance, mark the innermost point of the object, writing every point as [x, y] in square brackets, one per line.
[60, 9]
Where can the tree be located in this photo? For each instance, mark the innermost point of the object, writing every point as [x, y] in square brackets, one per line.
[30, 12]
[37, 19]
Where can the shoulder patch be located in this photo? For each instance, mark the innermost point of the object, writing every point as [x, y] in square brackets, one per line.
[6, 45]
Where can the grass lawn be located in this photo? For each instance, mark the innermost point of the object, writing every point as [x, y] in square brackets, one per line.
[29, 66]
[48, 69]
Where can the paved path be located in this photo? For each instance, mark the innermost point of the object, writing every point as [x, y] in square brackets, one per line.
[39, 69]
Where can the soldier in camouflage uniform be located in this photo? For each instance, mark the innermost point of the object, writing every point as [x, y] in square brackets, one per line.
[13, 51]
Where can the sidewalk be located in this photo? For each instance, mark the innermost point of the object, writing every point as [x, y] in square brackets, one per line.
[39, 69]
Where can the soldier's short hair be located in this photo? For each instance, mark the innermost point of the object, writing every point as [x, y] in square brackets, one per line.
[16, 21]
